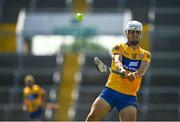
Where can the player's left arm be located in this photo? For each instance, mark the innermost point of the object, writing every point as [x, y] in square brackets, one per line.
[43, 95]
[142, 70]
[46, 104]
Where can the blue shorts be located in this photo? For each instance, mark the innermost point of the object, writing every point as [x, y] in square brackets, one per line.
[36, 114]
[117, 99]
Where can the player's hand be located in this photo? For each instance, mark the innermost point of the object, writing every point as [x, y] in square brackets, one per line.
[125, 74]
[115, 58]
[24, 108]
[131, 76]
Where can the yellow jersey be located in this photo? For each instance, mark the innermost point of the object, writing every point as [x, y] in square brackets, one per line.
[34, 96]
[131, 61]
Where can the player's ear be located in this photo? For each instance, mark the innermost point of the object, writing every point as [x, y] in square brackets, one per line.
[140, 36]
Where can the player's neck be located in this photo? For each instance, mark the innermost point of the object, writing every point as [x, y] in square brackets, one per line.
[31, 86]
[134, 47]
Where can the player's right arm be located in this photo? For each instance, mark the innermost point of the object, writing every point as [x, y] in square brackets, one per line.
[117, 59]
[26, 101]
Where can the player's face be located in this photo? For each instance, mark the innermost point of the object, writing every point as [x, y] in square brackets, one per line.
[29, 83]
[134, 37]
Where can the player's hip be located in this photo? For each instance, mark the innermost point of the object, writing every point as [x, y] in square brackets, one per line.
[37, 113]
[117, 99]
[124, 86]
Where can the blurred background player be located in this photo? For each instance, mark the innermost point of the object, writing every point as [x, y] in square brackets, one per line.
[34, 98]
[120, 92]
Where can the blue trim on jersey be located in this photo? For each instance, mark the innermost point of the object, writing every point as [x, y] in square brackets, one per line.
[33, 96]
[131, 65]
[117, 99]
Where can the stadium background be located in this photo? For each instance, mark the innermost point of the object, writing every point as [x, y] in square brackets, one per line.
[69, 76]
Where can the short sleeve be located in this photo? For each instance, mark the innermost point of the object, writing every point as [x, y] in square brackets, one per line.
[26, 91]
[36, 88]
[116, 49]
[147, 57]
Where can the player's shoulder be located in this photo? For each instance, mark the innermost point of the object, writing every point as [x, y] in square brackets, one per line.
[119, 46]
[146, 53]
[26, 90]
[36, 87]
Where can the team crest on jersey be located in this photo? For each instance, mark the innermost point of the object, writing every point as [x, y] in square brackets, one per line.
[141, 56]
[134, 56]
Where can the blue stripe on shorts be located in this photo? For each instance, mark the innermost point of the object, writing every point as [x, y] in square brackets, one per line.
[117, 99]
